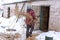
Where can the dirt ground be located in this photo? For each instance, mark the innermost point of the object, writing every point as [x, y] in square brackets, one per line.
[33, 37]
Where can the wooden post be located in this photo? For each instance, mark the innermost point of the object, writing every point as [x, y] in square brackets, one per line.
[16, 10]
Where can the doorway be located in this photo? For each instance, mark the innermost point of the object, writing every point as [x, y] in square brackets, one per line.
[44, 18]
[8, 12]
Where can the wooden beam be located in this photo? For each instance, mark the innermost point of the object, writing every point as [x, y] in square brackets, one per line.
[16, 2]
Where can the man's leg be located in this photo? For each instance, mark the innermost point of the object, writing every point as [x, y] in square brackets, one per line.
[27, 32]
[32, 28]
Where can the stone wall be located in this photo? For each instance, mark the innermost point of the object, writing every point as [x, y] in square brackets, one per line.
[54, 19]
[54, 22]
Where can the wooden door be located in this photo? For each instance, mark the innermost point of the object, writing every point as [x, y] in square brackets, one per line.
[44, 18]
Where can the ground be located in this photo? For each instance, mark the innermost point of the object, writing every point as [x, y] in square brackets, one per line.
[33, 37]
[35, 33]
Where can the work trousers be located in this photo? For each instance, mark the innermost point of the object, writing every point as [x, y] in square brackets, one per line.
[30, 28]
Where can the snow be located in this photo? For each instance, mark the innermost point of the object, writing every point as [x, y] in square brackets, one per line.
[12, 24]
[11, 1]
[55, 35]
[36, 32]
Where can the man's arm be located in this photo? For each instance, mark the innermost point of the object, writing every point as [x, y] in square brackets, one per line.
[27, 16]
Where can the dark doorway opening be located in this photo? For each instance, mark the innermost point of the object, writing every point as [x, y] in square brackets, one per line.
[44, 18]
[8, 12]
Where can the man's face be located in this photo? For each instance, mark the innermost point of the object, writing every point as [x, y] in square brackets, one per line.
[31, 11]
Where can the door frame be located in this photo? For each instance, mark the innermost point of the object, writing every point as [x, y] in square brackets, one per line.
[41, 15]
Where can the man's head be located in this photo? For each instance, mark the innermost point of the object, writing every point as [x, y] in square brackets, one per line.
[30, 11]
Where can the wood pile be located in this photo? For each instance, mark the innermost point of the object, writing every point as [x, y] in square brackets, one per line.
[9, 36]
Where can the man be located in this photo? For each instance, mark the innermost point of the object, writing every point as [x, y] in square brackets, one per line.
[30, 18]
[30, 22]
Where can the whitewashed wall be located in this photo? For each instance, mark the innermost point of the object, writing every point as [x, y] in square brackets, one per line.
[12, 9]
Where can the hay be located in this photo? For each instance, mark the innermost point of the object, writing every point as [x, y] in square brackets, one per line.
[33, 37]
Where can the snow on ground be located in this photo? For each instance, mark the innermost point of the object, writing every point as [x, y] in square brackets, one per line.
[12, 24]
[37, 32]
[55, 35]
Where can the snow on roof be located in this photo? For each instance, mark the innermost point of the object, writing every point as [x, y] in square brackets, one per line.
[12, 1]
[1, 8]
